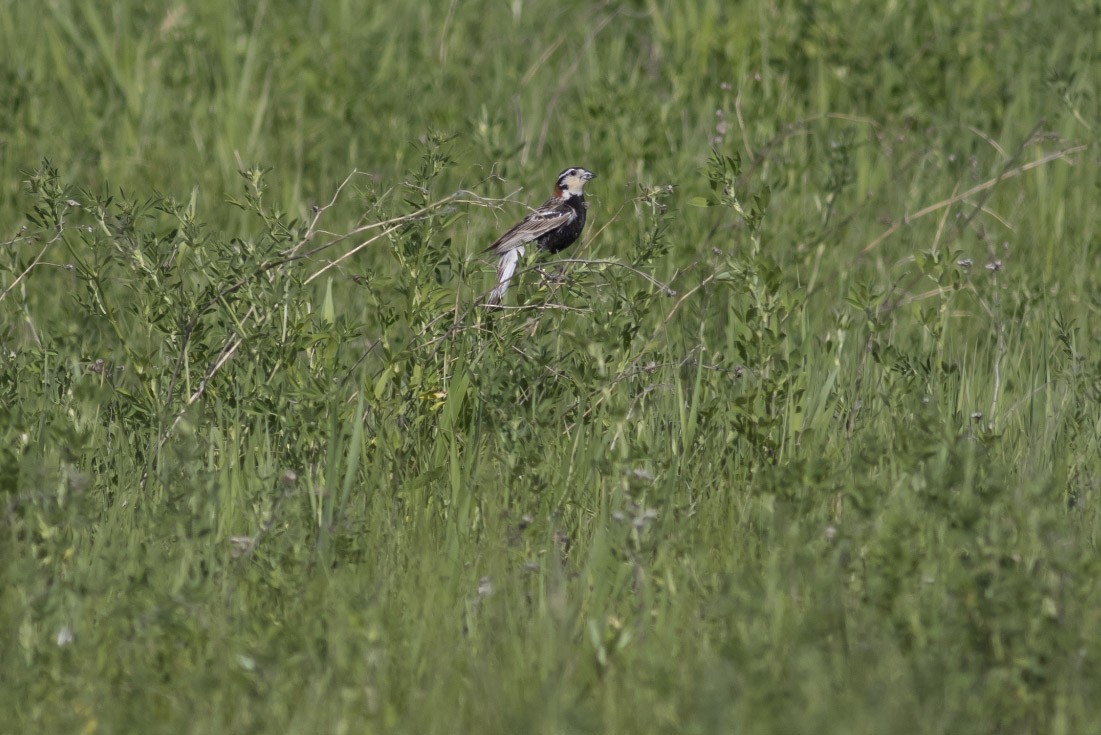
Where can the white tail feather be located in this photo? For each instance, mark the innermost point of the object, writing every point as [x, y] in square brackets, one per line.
[506, 268]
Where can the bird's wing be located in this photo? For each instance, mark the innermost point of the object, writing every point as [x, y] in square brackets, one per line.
[538, 223]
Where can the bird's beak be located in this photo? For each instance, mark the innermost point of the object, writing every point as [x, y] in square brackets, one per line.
[589, 175]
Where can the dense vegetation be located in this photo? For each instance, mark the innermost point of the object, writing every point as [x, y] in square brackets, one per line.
[802, 436]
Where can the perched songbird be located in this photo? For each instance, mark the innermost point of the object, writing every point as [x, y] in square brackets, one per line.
[553, 227]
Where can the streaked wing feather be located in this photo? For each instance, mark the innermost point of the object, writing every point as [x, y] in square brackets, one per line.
[536, 224]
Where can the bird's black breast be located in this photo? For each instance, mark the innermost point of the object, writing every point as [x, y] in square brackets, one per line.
[562, 237]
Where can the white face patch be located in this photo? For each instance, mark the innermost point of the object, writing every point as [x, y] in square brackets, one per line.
[570, 185]
[571, 182]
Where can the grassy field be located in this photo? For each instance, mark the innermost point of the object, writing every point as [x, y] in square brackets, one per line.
[804, 438]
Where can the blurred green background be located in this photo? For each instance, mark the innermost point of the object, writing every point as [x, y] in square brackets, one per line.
[805, 442]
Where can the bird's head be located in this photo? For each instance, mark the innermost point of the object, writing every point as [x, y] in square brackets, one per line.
[571, 182]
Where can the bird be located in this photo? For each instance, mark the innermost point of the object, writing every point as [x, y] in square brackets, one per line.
[553, 227]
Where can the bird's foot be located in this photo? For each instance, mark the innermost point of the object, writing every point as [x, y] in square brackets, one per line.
[558, 275]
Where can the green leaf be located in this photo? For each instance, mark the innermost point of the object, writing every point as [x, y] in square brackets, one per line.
[328, 311]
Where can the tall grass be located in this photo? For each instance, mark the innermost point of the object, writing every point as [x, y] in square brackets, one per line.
[800, 437]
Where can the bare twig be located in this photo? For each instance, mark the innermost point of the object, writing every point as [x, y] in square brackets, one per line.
[293, 254]
[353, 251]
[1025, 143]
[666, 289]
[318, 211]
[1062, 154]
[993, 143]
[37, 259]
[227, 352]
[28, 269]
[681, 300]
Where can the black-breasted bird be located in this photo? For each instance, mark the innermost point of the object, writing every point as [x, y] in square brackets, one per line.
[553, 227]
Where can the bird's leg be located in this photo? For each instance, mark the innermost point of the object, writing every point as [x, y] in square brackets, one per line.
[558, 275]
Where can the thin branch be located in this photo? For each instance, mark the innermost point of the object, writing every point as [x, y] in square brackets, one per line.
[545, 306]
[37, 259]
[350, 253]
[399, 222]
[666, 289]
[291, 255]
[227, 352]
[972, 191]
[1011, 162]
[28, 269]
[993, 143]
[681, 300]
[401, 219]
[318, 211]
